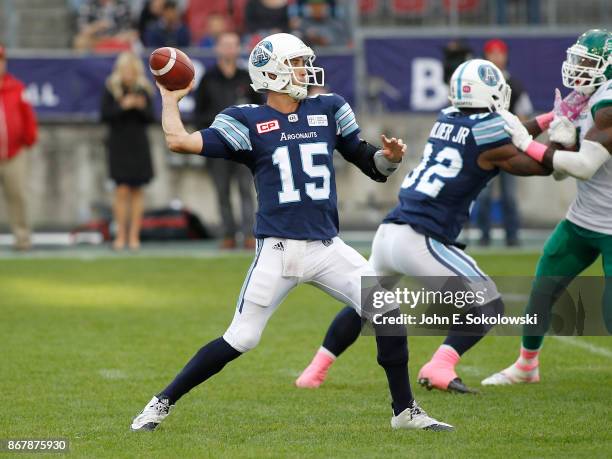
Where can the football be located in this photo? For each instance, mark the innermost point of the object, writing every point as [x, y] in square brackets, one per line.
[171, 67]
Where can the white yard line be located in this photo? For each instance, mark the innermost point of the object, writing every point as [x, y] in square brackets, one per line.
[592, 348]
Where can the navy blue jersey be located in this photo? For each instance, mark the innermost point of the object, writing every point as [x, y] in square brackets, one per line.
[435, 197]
[291, 158]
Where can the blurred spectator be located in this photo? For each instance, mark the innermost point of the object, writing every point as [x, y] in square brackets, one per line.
[104, 25]
[17, 130]
[456, 52]
[266, 16]
[169, 30]
[223, 85]
[319, 28]
[150, 14]
[127, 109]
[76, 5]
[496, 51]
[300, 8]
[216, 24]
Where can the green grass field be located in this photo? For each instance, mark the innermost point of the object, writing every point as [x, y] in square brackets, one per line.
[85, 344]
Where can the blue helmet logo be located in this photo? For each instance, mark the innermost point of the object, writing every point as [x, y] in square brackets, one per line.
[261, 56]
[488, 75]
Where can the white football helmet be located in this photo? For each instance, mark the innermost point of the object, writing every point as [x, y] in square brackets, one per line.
[271, 70]
[478, 83]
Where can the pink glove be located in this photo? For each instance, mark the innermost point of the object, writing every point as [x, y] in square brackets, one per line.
[571, 106]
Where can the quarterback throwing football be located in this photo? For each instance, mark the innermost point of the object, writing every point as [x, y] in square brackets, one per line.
[288, 144]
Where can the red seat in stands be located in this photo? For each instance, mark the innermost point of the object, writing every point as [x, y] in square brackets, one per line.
[463, 6]
[408, 7]
[368, 7]
[197, 14]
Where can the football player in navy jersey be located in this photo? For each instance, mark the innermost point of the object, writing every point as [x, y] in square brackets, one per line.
[467, 147]
[288, 144]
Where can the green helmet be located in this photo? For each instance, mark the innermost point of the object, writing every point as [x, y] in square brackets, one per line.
[589, 61]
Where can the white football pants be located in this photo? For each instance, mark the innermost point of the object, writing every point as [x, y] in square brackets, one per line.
[282, 264]
[399, 250]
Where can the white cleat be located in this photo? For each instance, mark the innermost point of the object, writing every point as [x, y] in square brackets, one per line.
[152, 414]
[415, 418]
[498, 379]
[511, 376]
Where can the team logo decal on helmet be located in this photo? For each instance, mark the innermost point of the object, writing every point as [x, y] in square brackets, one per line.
[488, 75]
[282, 63]
[478, 83]
[261, 55]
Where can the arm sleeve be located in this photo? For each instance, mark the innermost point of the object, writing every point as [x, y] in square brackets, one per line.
[29, 122]
[214, 146]
[490, 133]
[581, 164]
[346, 123]
[228, 137]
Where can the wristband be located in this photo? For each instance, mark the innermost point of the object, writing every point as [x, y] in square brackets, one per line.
[536, 150]
[384, 166]
[544, 120]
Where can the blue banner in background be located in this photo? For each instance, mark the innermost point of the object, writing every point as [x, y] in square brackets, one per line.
[407, 73]
[404, 75]
[71, 88]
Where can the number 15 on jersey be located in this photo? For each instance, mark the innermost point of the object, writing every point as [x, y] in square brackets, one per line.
[289, 193]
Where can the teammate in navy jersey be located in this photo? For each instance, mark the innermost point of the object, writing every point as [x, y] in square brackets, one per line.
[467, 146]
[288, 144]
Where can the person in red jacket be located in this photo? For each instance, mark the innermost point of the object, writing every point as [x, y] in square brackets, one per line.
[17, 130]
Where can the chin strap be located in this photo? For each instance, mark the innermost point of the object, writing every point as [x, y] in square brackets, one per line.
[297, 92]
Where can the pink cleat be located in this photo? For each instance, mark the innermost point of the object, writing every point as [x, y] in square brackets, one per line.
[439, 373]
[315, 373]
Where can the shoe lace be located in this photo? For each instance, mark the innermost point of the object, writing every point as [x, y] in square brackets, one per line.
[416, 410]
[161, 406]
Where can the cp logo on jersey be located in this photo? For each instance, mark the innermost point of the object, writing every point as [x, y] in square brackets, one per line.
[488, 75]
[261, 55]
[268, 126]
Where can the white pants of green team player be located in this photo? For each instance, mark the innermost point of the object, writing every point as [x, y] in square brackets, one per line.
[282, 264]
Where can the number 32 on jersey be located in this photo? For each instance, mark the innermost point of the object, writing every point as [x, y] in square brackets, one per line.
[289, 193]
[430, 175]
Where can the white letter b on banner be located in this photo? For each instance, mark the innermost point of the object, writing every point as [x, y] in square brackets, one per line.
[428, 90]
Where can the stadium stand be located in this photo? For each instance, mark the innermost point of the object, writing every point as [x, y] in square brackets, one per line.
[72, 143]
[49, 23]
